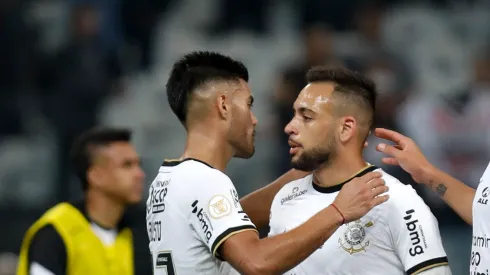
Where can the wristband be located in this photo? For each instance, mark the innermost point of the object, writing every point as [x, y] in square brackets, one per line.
[342, 215]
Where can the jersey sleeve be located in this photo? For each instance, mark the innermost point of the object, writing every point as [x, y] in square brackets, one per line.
[415, 232]
[274, 218]
[216, 213]
[47, 239]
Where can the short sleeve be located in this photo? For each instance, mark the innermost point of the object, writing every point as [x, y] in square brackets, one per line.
[48, 239]
[274, 218]
[415, 232]
[216, 213]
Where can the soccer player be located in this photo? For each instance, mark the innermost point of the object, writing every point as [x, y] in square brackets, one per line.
[91, 236]
[332, 119]
[194, 216]
[470, 204]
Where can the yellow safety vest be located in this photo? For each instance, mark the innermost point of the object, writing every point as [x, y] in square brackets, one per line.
[86, 254]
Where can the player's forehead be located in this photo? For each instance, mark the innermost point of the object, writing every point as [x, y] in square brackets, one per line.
[315, 96]
[117, 152]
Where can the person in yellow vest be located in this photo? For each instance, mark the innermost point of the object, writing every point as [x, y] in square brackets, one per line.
[90, 237]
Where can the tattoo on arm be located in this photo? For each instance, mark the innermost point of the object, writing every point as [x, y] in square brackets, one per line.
[441, 190]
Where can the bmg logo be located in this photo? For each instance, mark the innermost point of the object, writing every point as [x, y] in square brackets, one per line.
[414, 231]
[202, 220]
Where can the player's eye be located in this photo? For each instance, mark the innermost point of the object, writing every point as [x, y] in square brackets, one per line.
[307, 118]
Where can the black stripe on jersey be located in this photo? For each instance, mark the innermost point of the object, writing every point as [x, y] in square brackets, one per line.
[175, 162]
[336, 188]
[428, 265]
[225, 235]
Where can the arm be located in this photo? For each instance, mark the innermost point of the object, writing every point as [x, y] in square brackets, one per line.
[257, 204]
[250, 255]
[408, 156]
[414, 231]
[43, 263]
[456, 194]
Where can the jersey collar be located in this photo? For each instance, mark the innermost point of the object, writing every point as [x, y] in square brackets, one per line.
[175, 162]
[336, 188]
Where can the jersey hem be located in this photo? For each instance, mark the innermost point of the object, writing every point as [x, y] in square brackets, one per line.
[227, 234]
[428, 265]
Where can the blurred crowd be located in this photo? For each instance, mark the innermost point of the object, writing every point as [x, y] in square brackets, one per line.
[67, 66]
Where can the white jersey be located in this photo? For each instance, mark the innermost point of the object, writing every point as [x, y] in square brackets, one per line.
[398, 237]
[191, 210]
[480, 248]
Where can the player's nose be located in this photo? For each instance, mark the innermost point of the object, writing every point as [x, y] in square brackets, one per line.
[290, 129]
[139, 173]
[255, 121]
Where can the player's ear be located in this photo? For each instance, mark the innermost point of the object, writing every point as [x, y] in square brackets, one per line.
[95, 175]
[222, 102]
[96, 172]
[347, 128]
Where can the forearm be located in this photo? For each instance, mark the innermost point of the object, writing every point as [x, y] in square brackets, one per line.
[257, 204]
[456, 194]
[281, 253]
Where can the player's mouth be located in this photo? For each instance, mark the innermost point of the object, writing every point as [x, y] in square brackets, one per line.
[294, 147]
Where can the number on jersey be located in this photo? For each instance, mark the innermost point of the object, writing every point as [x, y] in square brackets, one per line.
[164, 264]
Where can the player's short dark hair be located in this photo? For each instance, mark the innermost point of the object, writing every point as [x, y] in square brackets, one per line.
[196, 69]
[82, 152]
[352, 85]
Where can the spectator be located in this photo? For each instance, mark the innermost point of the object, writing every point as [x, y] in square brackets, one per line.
[83, 75]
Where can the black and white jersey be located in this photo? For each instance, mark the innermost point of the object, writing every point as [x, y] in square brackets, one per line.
[480, 248]
[398, 237]
[192, 209]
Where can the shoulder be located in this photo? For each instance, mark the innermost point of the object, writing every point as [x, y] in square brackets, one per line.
[399, 192]
[294, 187]
[46, 239]
[194, 174]
[46, 235]
[403, 198]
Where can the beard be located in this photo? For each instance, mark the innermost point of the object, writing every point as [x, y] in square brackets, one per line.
[315, 157]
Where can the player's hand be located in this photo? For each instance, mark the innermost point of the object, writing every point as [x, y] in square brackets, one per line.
[404, 153]
[360, 195]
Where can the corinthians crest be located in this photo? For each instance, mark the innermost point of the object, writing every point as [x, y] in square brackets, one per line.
[354, 238]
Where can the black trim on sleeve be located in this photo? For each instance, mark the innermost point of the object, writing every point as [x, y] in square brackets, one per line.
[48, 249]
[427, 265]
[227, 233]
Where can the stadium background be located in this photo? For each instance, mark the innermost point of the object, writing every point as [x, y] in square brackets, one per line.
[429, 58]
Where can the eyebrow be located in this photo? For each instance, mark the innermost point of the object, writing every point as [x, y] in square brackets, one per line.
[303, 110]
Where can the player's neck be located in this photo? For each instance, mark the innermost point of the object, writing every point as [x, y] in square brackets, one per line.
[339, 170]
[104, 211]
[208, 148]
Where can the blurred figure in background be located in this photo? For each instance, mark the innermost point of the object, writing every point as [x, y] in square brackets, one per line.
[454, 118]
[82, 75]
[90, 236]
[318, 50]
[371, 57]
[139, 21]
[248, 15]
[17, 66]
